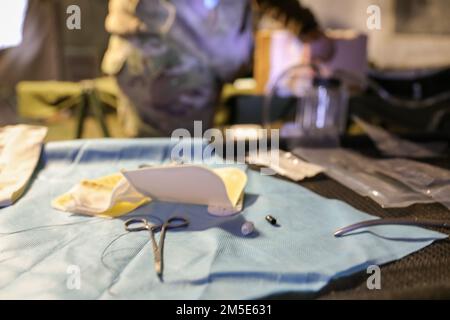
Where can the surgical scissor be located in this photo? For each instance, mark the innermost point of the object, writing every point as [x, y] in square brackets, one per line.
[136, 225]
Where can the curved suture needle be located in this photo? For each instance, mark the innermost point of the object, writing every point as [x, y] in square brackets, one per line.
[381, 222]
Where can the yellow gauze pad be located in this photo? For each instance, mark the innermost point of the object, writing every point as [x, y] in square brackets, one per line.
[110, 196]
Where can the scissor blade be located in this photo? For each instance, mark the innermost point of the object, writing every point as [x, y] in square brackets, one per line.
[158, 262]
[158, 269]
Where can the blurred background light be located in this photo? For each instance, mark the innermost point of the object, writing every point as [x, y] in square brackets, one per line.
[12, 17]
[211, 4]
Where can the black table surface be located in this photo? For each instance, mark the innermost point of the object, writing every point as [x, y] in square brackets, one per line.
[421, 275]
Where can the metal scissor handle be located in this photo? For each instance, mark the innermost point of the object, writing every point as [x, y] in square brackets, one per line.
[136, 225]
[176, 222]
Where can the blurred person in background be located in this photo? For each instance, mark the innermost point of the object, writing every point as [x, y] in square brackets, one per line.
[171, 58]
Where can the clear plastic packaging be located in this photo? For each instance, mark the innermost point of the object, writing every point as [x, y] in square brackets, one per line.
[429, 180]
[285, 164]
[367, 177]
[394, 146]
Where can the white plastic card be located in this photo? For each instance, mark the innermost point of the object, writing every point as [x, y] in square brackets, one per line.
[222, 190]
